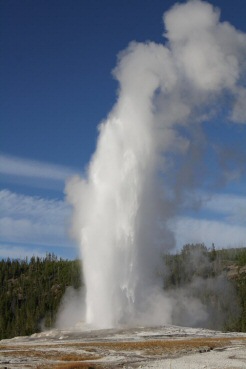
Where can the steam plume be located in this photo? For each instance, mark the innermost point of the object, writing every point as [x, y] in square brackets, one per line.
[134, 180]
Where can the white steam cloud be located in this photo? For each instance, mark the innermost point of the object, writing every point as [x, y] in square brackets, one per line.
[133, 185]
[71, 309]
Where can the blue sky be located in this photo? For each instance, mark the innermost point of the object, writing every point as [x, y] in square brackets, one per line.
[56, 87]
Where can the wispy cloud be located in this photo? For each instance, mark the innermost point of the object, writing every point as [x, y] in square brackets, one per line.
[32, 225]
[231, 207]
[33, 220]
[41, 174]
[223, 235]
[19, 251]
[221, 220]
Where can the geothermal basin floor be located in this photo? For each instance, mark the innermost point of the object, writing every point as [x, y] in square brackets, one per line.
[169, 347]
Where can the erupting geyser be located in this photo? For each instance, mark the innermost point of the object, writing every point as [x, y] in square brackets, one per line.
[122, 208]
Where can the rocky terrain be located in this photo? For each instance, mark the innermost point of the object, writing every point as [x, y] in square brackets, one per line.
[168, 347]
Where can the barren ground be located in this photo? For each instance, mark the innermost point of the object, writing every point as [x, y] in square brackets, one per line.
[168, 347]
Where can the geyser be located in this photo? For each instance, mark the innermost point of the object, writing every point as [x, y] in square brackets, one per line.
[123, 207]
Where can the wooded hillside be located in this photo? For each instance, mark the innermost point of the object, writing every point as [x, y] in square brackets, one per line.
[31, 290]
[214, 278]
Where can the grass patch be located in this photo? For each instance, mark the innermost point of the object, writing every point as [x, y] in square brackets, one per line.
[81, 355]
[40, 353]
[172, 344]
[72, 366]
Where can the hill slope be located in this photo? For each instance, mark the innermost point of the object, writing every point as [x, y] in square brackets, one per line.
[31, 290]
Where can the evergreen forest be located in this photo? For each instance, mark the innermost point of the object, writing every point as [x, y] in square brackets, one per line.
[32, 290]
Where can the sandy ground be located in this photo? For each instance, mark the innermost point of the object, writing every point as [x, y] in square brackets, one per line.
[228, 357]
[167, 347]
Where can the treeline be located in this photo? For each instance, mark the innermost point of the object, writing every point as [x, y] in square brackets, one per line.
[31, 290]
[208, 280]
